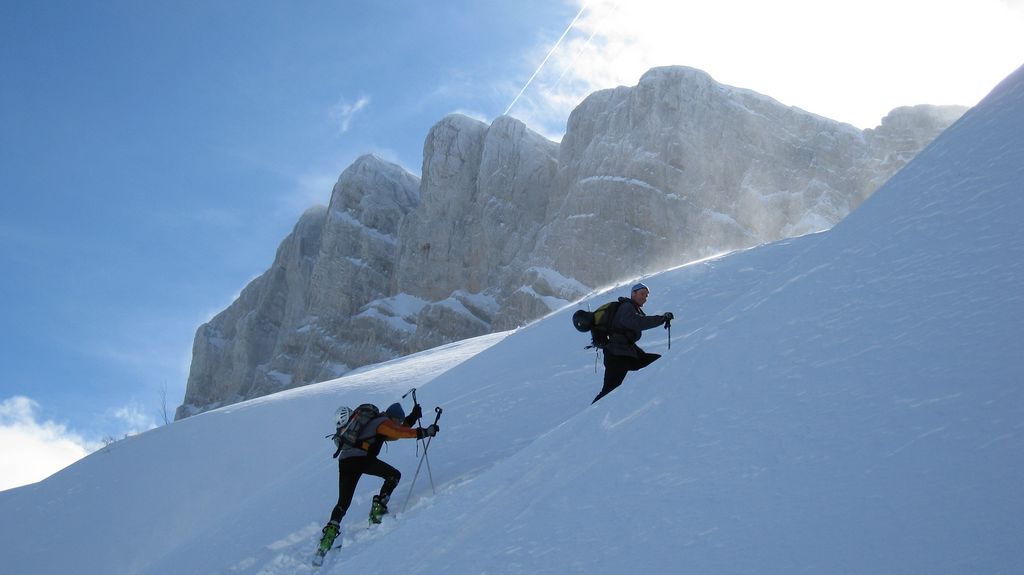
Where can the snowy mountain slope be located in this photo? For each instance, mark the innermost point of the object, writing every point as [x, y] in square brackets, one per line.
[857, 408]
[846, 402]
[225, 478]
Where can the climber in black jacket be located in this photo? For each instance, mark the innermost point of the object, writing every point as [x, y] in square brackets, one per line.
[622, 354]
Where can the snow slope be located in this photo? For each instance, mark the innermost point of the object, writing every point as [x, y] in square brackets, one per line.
[845, 402]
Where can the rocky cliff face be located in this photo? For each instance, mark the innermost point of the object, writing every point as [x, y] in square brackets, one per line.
[298, 322]
[485, 193]
[506, 226]
[681, 167]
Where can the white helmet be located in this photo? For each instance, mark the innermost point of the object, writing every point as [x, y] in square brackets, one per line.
[342, 416]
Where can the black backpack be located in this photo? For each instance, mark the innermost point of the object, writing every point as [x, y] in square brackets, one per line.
[348, 436]
[597, 322]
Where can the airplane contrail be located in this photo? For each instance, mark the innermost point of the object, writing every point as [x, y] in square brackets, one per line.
[550, 52]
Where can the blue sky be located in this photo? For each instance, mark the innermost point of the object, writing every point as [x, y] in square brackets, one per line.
[154, 154]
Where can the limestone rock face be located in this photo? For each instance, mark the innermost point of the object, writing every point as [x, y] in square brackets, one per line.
[506, 226]
[430, 246]
[681, 167]
[903, 133]
[290, 326]
[228, 352]
[485, 193]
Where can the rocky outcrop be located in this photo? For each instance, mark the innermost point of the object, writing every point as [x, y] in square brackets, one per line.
[681, 167]
[485, 193]
[292, 325]
[506, 226]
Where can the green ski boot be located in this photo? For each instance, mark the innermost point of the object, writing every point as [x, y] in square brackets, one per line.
[331, 531]
[378, 509]
[330, 534]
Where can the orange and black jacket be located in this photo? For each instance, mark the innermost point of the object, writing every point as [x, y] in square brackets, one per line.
[377, 431]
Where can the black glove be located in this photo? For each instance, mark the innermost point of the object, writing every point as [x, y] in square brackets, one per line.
[416, 413]
[428, 431]
[668, 316]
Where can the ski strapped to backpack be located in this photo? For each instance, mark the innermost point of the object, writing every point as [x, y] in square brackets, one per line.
[347, 433]
[597, 322]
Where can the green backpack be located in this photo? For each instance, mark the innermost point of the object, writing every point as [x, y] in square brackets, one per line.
[597, 322]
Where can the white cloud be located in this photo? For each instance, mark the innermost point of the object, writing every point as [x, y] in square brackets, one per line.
[134, 418]
[343, 112]
[31, 450]
[852, 62]
[1017, 5]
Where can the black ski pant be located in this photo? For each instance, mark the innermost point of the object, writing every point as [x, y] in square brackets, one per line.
[351, 469]
[616, 367]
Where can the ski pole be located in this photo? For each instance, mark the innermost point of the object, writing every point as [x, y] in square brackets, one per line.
[420, 466]
[419, 424]
[430, 473]
[668, 326]
[419, 420]
[414, 477]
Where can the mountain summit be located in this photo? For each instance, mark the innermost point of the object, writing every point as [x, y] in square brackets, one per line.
[506, 226]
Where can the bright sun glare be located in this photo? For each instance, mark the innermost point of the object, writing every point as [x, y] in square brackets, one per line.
[853, 62]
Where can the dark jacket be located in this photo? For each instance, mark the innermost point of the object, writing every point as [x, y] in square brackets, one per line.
[627, 327]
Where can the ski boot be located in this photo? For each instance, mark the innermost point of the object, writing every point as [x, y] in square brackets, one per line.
[331, 531]
[379, 508]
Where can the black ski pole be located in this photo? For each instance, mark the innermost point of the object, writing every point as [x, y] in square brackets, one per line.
[414, 477]
[668, 326]
[430, 472]
[419, 420]
[419, 423]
